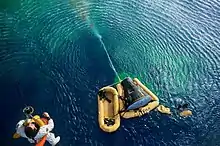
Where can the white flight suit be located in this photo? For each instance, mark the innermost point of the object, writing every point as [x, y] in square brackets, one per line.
[44, 130]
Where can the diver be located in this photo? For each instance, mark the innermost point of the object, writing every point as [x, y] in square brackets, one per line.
[183, 106]
[102, 95]
[109, 121]
[34, 133]
[183, 110]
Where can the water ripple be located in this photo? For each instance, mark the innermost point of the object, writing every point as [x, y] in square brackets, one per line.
[173, 46]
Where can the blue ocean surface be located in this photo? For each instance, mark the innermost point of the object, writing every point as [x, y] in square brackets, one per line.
[56, 54]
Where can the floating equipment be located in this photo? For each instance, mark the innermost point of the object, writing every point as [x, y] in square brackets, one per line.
[183, 110]
[39, 121]
[164, 110]
[135, 98]
[108, 107]
[185, 113]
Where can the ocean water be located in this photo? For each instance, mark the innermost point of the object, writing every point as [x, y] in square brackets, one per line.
[56, 54]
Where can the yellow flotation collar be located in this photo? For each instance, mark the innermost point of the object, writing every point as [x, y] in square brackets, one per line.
[38, 120]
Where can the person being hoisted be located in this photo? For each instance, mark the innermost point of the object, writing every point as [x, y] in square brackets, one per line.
[36, 129]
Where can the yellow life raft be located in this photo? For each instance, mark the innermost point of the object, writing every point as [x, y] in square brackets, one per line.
[111, 104]
[108, 107]
[142, 110]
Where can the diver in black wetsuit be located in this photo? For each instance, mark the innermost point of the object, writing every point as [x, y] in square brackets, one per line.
[109, 121]
[182, 107]
[102, 95]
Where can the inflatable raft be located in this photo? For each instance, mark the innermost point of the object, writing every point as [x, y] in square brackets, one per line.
[135, 98]
[128, 99]
[108, 107]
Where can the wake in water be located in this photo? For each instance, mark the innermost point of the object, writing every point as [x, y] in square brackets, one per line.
[110, 61]
[111, 64]
[95, 31]
[82, 7]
